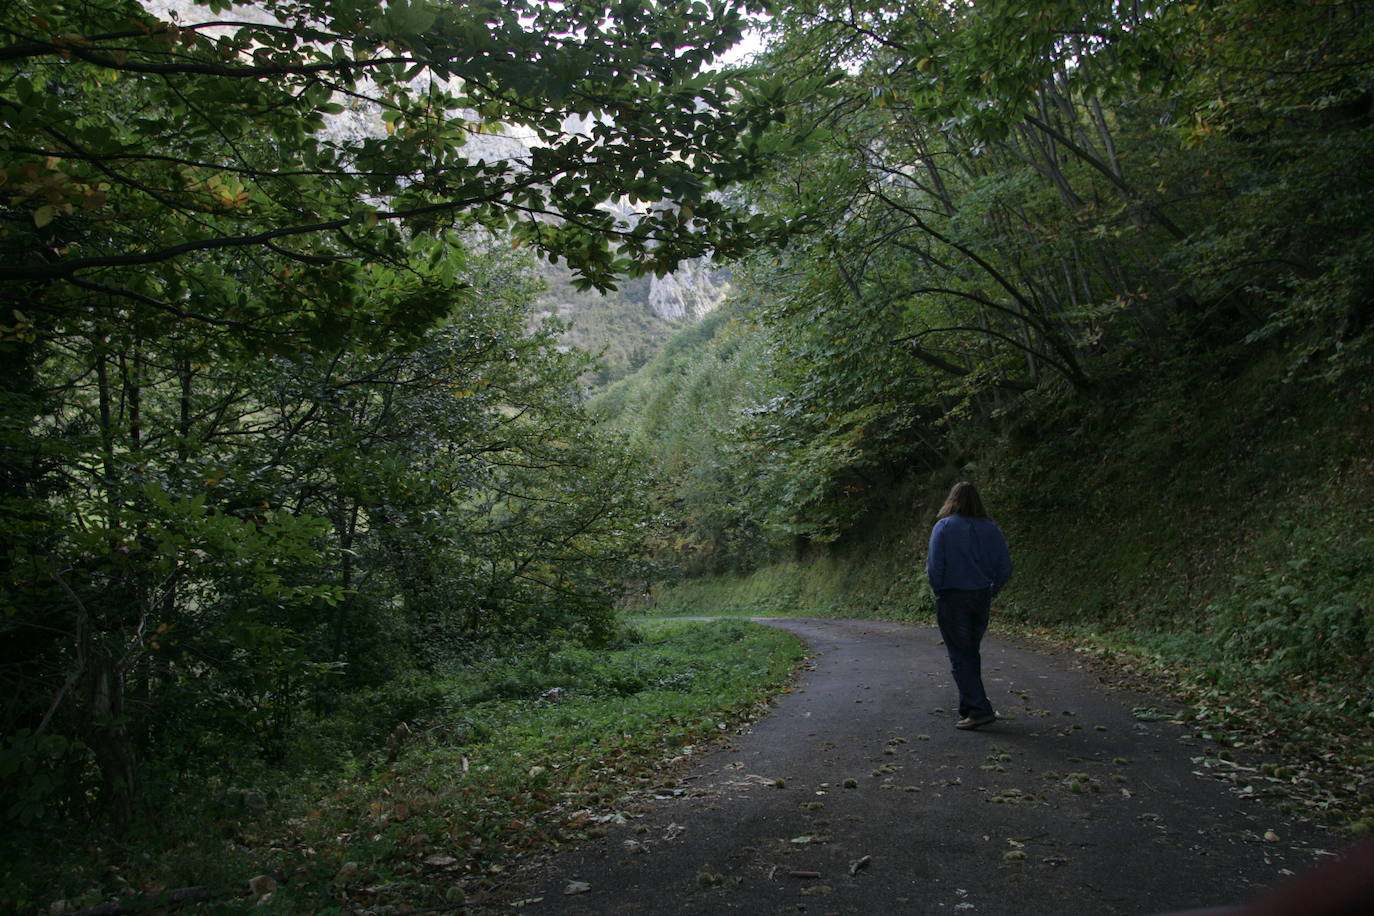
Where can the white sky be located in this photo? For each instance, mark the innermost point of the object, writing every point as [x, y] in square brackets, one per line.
[751, 44]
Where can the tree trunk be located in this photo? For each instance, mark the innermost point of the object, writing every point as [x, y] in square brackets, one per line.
[104, 732]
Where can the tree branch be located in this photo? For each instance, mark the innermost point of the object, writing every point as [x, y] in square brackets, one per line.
[74, 48]
[1120, 183]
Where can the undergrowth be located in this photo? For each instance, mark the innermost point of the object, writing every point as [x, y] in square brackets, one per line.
[498, 760]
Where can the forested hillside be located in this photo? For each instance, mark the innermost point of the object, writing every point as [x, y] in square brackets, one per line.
[1115, 270]
[622, 328]
[290, 461]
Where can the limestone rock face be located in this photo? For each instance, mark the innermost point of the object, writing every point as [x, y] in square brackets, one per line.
[360, 120]
[694, 289]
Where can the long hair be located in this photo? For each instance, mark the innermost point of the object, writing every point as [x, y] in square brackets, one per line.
[963, 499]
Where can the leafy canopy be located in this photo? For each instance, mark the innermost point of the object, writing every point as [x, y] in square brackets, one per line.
[318, 136]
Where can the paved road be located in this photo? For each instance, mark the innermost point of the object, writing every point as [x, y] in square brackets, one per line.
[857, 796]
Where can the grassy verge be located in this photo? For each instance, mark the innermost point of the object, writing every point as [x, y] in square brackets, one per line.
[880, 575]
[1217, 538]
[1305, 743]
[1304, 747]
[502, 759]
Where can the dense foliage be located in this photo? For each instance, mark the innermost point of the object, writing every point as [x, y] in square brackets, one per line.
[275, 423]
[1109, 260]
[1001, 205]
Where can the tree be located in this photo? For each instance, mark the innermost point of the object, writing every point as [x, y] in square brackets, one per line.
[247, 268]
[224, 541]
[1072, 179]
[997, 205]
[134, 142]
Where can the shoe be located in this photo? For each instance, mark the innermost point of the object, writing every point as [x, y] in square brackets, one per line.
[971, 723]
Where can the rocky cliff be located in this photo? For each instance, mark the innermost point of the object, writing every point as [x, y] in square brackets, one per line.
[694, 289]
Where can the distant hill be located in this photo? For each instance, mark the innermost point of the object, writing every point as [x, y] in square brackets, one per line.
[628, 327]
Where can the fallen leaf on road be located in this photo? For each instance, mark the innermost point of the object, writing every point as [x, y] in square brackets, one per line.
[1151, 714]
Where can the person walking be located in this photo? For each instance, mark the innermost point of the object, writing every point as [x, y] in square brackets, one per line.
[968, 564]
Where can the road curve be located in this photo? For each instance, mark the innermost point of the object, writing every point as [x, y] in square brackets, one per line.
[856, 795]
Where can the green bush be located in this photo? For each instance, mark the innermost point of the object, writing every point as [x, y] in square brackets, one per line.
[1303, 615]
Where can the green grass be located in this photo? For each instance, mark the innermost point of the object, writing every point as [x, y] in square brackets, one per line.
[879, 574]
[504, 757]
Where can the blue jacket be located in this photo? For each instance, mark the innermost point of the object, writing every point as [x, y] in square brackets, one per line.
[968, 553]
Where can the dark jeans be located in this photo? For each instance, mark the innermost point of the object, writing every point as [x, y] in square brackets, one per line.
[963, 618]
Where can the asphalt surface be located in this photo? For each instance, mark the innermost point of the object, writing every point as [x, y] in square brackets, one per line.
[857, 795]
